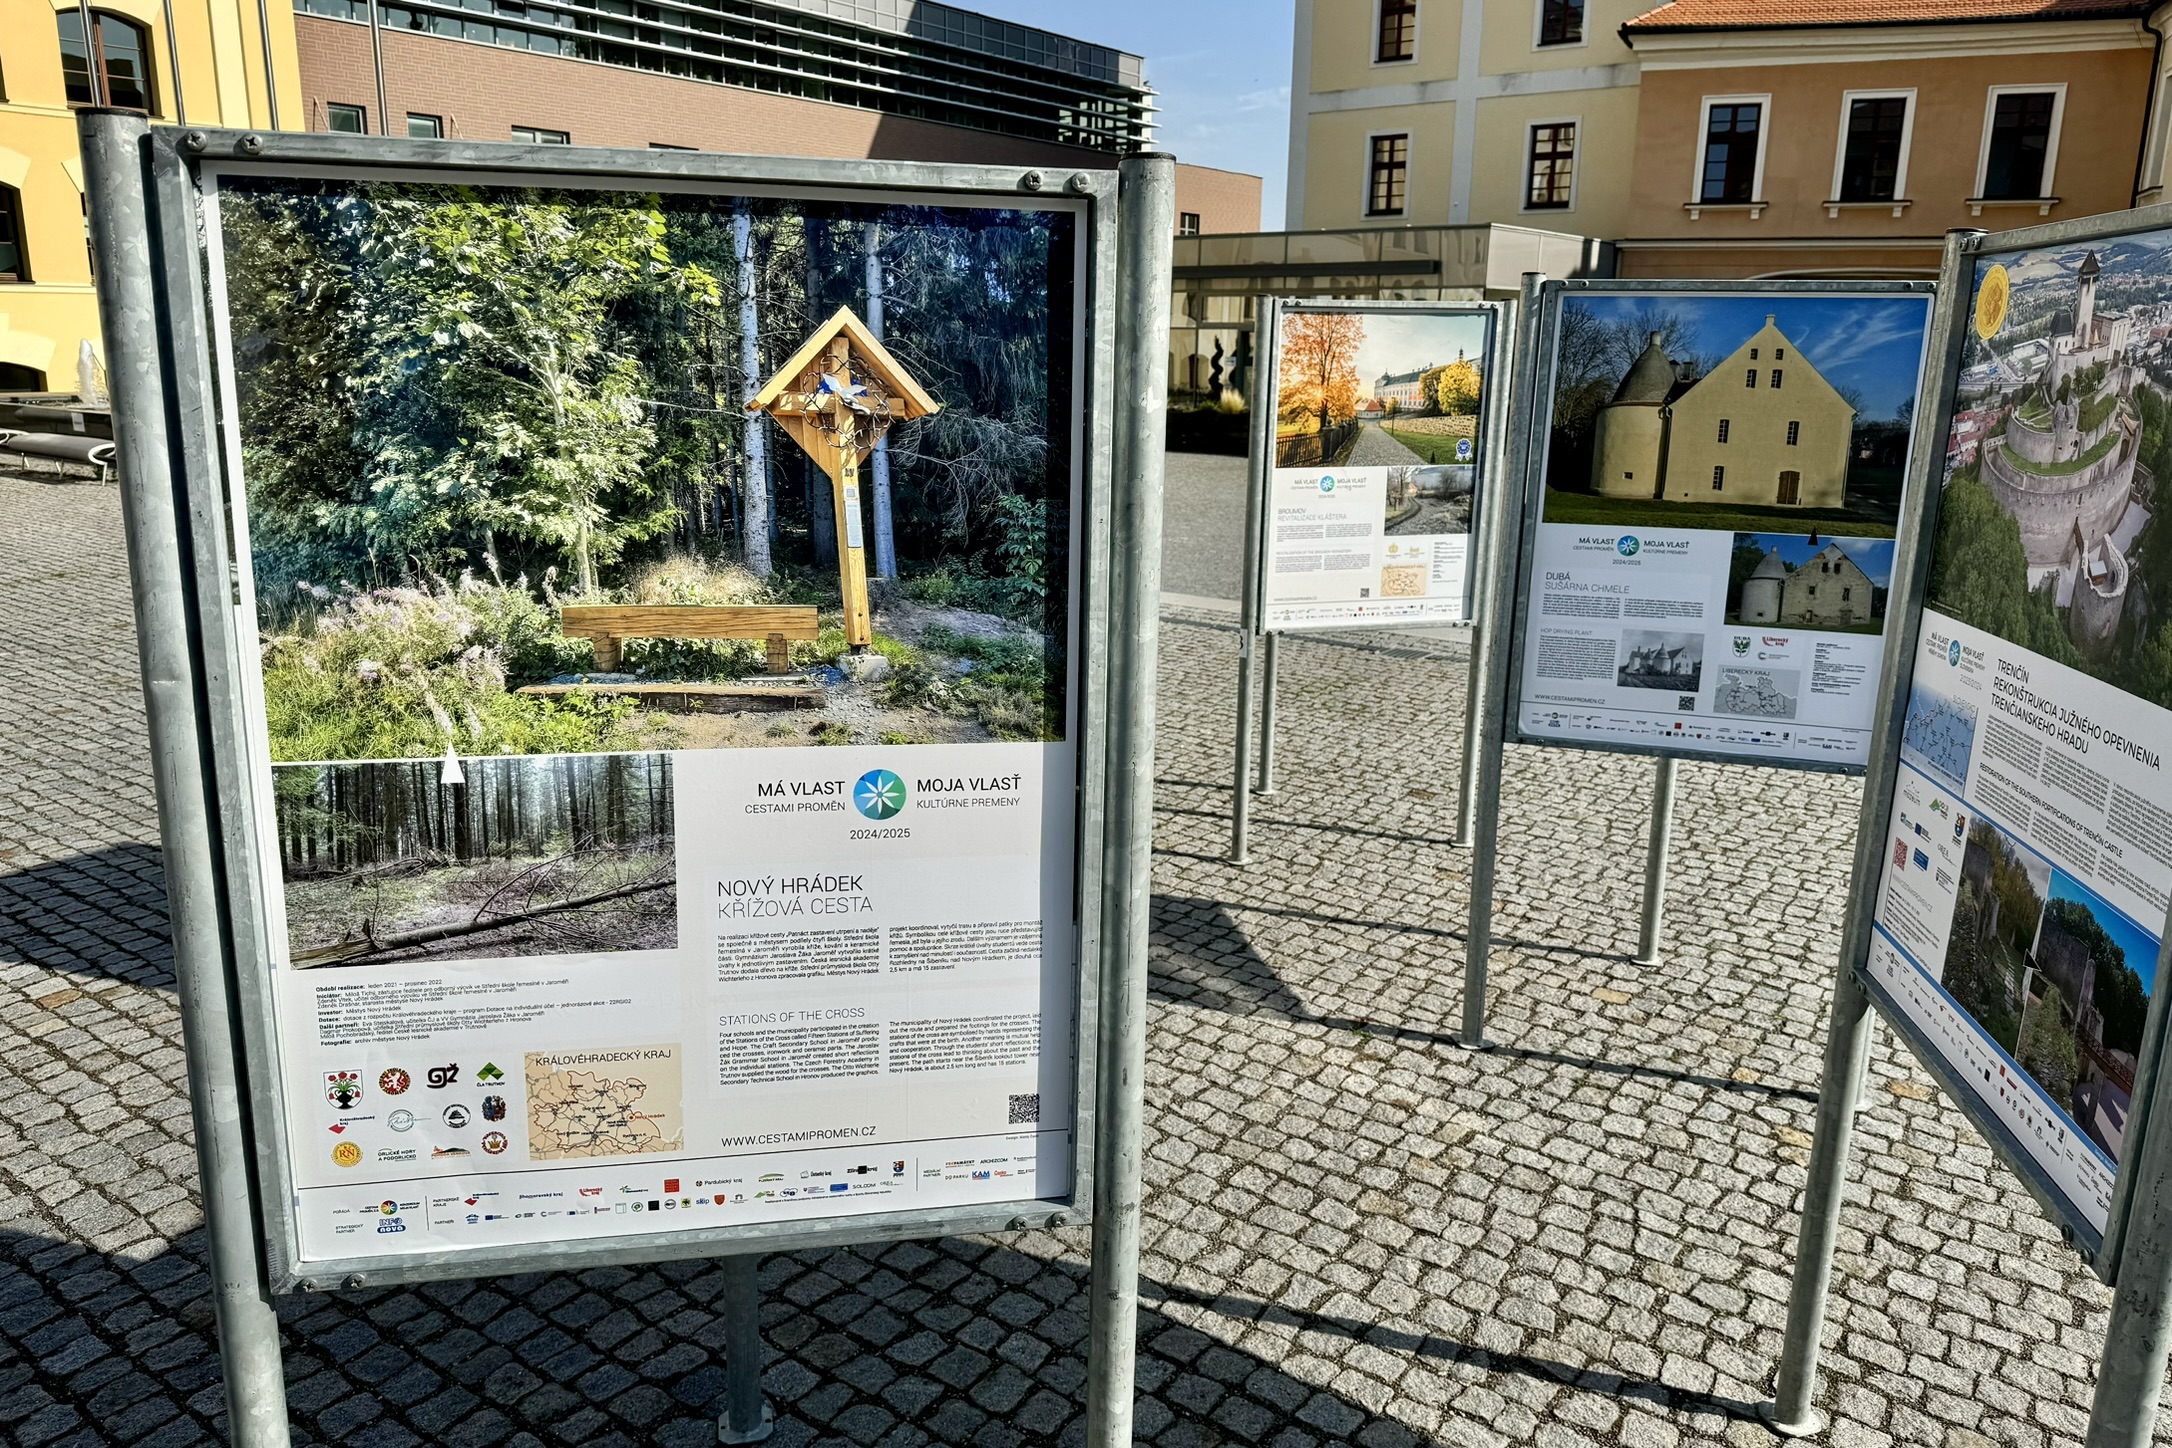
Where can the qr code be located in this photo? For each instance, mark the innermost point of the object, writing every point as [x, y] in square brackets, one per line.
[1686, 703]
[1025, 1109]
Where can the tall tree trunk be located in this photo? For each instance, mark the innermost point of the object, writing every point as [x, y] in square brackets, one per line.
[754, 491]
[885, 530]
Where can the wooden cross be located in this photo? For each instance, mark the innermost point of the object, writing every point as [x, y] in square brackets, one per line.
[837, 397]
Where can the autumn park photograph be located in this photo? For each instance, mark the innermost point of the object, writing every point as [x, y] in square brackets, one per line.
[586, 471]
[1400, 390]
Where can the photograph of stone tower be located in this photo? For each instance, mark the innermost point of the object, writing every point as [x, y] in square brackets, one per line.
[1745, 411]
[2056, 461]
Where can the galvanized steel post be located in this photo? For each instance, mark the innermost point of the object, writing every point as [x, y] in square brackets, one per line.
[1259, 468]
[748, 1418]
[1488, 681]
[1267, 716]
[1146, 239]
[114, 143]
[1655, 861]
[1847, 1045]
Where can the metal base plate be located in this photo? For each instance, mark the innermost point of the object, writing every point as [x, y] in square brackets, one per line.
[1811, 1425]
[768, 1425]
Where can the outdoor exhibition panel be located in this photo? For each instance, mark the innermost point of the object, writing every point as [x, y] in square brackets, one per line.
[1382, 419]
[593, 903]
[2026, 863]
[1711, 491]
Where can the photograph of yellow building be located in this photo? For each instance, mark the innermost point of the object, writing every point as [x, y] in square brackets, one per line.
[1742, 411]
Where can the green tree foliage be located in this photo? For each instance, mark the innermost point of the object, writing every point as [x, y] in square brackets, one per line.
[1741, 563]
[2120, 995]
[1980, 573]
[1456, 390]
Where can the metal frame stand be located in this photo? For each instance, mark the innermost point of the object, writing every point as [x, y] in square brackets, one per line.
[1484, 731]
[1240, 789]
[1266, 785]
[113, 148]
[1655, 861]
[748, 1417]
[1145, 242]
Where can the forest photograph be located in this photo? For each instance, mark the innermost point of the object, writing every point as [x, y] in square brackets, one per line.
[491, 858]
[474, 421]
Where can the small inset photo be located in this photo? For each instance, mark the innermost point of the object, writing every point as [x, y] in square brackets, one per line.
[444, 859]
[1808, 581]
[1656, 659]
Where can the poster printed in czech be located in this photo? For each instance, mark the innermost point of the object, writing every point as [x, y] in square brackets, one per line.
[1378, 433]
[1722, 485]
[2025, 885]
[713, 920]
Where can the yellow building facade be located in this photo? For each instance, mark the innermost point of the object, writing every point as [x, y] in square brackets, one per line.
[1453, 112]
[209, 69]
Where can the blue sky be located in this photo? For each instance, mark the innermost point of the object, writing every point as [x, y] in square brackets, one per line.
[1873, 344]
[1873, 555]
[2128, 936]
[1405, 343]
[1221, 68]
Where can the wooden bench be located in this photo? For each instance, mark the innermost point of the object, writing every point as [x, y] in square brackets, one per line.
[609, 625]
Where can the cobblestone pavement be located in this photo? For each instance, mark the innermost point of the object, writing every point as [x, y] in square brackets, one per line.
[1375, 449]
[1356, 1232]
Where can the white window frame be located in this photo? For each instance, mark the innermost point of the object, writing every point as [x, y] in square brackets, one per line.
[1757, 203]
[1538, 25]
[2045, 194]
[1372, 41]
[1576, 166]
[1848, 99]
[1365, 173]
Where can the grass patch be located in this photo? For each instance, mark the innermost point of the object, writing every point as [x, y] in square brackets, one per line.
[1564, 507]
[1433, 447]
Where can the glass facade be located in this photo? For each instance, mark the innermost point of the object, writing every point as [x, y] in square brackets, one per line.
[907, 58]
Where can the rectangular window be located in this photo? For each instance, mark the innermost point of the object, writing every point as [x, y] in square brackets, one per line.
[14, 265]
[1561, 22]
[1751, 379]
[1846, 594]
[1398, 31]
[1794, 434]
[2020, 144]
[1729, 174]
[1753, 354]
[1719, 478]
[536, 136]
[1779, 354]
[1389, 170]
[1870, 158]
[425, 128]
[1775, 377]
[1723, 430]
[1552, 173]
[1187, 223]
[350, 120]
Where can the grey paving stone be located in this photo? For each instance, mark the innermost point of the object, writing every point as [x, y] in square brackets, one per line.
[1355, 1232]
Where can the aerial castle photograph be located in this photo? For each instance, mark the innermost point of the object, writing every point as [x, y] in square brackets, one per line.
[2057, 461]
[1758, 414]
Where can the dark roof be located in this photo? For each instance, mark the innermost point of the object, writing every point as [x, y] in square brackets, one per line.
[1827, 14]
[1650, 379]
[2091, 266]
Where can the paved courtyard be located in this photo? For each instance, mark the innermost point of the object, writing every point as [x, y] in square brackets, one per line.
[1356, 1232]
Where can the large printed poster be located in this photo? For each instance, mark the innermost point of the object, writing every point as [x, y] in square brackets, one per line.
[1376, 469]
[1714, 547]
[2025, 891]
[713, 920]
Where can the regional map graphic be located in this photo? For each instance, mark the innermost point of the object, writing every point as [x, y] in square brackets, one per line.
[586, 1104]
